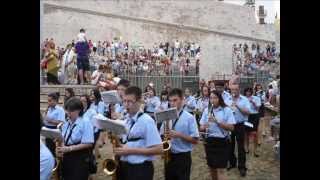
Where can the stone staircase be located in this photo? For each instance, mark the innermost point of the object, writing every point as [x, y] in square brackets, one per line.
[47, 89]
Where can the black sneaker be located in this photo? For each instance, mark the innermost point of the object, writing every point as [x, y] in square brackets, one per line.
[243, 172]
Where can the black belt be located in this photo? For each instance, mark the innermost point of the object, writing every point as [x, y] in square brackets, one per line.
[180, 154]
[133, 139]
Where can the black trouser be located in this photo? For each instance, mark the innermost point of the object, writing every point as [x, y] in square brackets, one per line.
[238, 134]
[143, 171]
[179, 166]
[75, 165]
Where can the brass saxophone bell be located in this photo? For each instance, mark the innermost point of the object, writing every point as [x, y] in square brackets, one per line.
[109, 166]
[166, 145]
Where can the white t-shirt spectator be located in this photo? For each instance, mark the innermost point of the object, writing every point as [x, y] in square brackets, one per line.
[81, 37]
[177, 44]
[116, 80]
[95, 77]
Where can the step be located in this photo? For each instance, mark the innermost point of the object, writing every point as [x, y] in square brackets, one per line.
[78, 89]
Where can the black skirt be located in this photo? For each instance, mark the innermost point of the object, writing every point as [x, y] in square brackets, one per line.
[253, 119]
[75, 165]
[216, 152]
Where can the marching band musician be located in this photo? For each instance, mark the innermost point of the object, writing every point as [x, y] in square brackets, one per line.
[164, 105]
[253, 118]
[46, 159]
[55, 115]
[100, 108]
[183, 134]
[78, 138]
[190, 101]
[152, 101]
[241, 110]
[217, 122]
[120, 110]
[96, 102]
[227, 98]
[143, 140]
[203, 102]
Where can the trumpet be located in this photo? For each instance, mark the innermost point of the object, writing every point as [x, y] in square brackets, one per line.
[166, 142]
[110, 165]
[56, 170]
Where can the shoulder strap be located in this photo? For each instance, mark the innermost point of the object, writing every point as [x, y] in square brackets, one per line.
[139, 115]
[66, 142]
[175, 122]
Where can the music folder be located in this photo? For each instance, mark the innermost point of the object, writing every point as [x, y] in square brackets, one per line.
[117, 127]
[111, 97]
[169, 114]
[51, 133]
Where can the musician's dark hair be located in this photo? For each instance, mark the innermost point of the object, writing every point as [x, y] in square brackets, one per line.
[97, 95]
[219, 95]
[164, 93]
[124, 82]
[134, 90]
[54, 95]
[205, 86]
[248, 89]
[70, 90]
[256, 88]
[41, 121]
[152, 88]
[176, 92]
[88, 101]
[74, 104]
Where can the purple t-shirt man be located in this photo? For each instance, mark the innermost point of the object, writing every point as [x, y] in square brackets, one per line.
[82, 49]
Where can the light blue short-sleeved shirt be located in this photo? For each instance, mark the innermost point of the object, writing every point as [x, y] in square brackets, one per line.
[202, 103]
[88, 115]
[257, 101]
[164, 105]
[119, 108]
[223, 115]
[187, 125]
[152, 104]
[227, 98]
[190, 104]
[262, 96]
[55, 113]
[46, 162]
[243, 103]
[100, 108]
[82, 132]
[146, 129]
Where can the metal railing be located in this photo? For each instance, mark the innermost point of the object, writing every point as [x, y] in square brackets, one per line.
[159, 82]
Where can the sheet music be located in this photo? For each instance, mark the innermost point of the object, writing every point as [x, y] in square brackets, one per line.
[169, 114]
[51, 133]
[111, 97]
[117, 127]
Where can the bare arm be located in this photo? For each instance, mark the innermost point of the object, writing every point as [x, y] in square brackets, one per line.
[225, 126]
[152, 150]
[190, 139]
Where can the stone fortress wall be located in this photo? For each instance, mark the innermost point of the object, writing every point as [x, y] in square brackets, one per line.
[215, 25]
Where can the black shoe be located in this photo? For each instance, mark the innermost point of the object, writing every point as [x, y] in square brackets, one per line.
[230, 167]
[243, 172]
[256, 155]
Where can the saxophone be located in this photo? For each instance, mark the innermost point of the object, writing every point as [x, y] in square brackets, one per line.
[56, 171]
[166, 142]
[110, 165]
